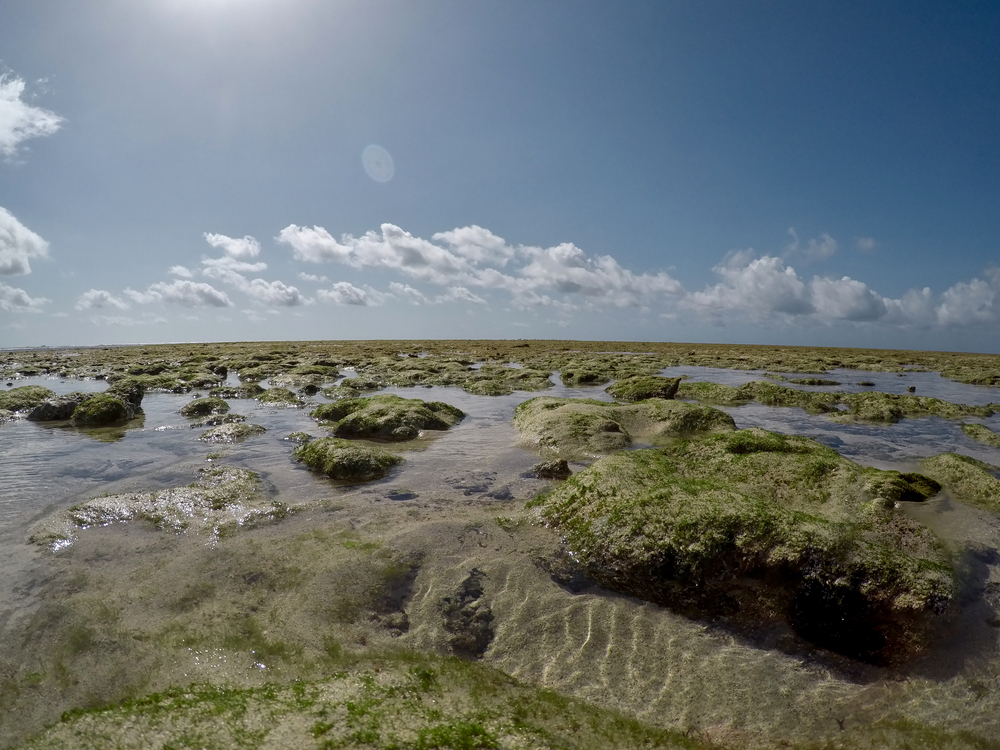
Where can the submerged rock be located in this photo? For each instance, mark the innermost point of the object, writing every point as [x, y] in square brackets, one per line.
[386, 417]
[224, 497]
[468, 617]
[555, 469]
[247, 390]
[235, 432]
[756, 527]
[214, 420]
[641, 387]
[584, 428]
[346, 460]
[202, 407]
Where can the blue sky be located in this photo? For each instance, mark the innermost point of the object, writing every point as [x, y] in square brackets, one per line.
[746, 172]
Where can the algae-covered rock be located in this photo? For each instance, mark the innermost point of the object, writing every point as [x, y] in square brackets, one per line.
[299, 438]
[214, 420]
[756, 527]
[712, 393]
[584, 428]
[875, 406]
[246, 390]
[222, 497]
[813, 381]
[24, 398]
[346, 460]
[641, 387]
[982, 433]
[57, 407]
[386, 417]
[202, 407]
[279, 397]
[577, 377]
[234, 432]
[557, 468]
[967, 479]
[101, 409]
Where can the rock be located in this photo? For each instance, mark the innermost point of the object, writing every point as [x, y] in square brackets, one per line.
[299, 438]
[469, 618]
[982, 434]
[58, 407]
[247, 390]
[344, 460]
[386, 417]
[24, 398]
[754, 527]
[101, 409]
[555, 469]
[640, 387]
[202, 407]
[968, 479]
[280, 397]
[231, 433]
[214, 420]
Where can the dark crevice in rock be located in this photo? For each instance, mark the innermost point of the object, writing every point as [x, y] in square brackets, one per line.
[468, 618]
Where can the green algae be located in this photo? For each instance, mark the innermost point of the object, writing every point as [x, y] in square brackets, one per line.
[202, 407]
[24, 398]
[391, 701]
[812, 381]
[982, 434]
[386, 417]
[968, 479]
[584, 428]
[641, 387]
[246, 390]
[754, 526]
[101, 409]
[223, 497]
[346, 460]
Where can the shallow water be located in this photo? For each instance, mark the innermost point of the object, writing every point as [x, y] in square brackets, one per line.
[443, 500]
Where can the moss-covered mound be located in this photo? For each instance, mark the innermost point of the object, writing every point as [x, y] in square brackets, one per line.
[641, 387]
[982, 434]
[386, 417]
[756, 527]
[875, 406]
[24, 398]
[223, 498]
[58, 407]
[279, 397]
[231, 432]
[101, 409]
[214, 420]
[202, 407]
[813, 381]
[583, 428]
[346, 460]
[969, 480]
[392, 702]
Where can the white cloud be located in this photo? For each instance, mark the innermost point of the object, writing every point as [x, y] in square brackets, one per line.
[127, 321]
[97, 298]
[313, 278]
[345, 293]
[181, 292]
[760, 286]
[477, 244]
[459, 294]
[275, 293]
[845, 299]
[407, 292]
[18, 245]
[819, 248]
[243, 248]
[19, 121]
[182, 271]
[17, 300]
[967, 303]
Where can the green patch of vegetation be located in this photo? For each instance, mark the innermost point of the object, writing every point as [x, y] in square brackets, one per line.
[584, 428]
[101, 409]
[233, 432]
[967, 479]
[346, 460]
[246, 390]
[279, 397]
[683, 526]
[386, 417]
[813, 381]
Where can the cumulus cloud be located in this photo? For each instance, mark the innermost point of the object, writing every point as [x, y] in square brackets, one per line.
[183, 271]
[18, 245]
[968, 303]
[471, 257]
[94, 299]
[123, 320]
[408, 293]
[243, 248]
[845, 299]
[345, 293]
[17, 300]
[181, 292]
[20, 121]
[313, 278]
[760, 286]
[460, 294]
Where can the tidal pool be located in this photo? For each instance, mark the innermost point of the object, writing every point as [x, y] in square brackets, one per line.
[150, 609]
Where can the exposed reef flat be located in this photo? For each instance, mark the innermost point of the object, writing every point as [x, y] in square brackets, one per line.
[755, 526]
[386, 417]
[224, 498]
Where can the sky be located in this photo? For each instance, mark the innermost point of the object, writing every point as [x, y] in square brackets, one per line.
[752, 172]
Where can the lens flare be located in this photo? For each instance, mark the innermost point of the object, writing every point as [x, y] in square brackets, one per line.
[378, 163]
